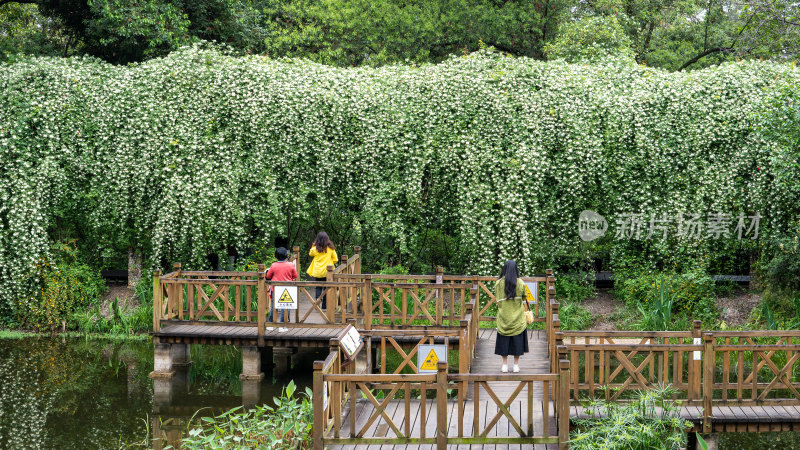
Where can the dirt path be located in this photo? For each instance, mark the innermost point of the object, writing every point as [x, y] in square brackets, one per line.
[602, 306]
[126, 299]
[735, 310]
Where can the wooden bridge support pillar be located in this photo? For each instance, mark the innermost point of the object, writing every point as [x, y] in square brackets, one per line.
[168, 357]
[251, 364]
[164, 434]
[251, 393]
[166, 389]
[283, 361]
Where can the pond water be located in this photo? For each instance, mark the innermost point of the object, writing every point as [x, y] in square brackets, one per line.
[76, 393]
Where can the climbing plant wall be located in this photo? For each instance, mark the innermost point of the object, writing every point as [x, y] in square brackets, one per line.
[202, 150]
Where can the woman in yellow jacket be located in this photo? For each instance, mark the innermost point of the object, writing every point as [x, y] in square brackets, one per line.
[324, 254]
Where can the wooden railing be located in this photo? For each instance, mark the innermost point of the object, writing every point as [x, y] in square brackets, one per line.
[419, 418]
[207, 295]
[394, 301]
[707, 369]
[458, 287]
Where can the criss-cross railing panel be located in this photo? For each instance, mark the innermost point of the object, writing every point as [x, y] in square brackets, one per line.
[759, 367]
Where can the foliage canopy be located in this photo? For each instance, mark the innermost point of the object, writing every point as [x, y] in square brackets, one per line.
[492, 156]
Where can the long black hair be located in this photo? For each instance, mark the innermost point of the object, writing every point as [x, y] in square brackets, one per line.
[510, 272]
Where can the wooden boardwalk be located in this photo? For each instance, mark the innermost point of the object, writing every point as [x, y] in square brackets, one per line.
[313, 332]
[735, 381]
[484, 362]
[738, 419]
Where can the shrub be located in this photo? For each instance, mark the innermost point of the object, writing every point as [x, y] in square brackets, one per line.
[780, 264]
[67, 288]
[690, 294]
[590, 38]
[573, 316]
[286, 425]
[575, 288]
[650, 422]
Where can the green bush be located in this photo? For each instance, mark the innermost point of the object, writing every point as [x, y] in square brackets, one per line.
[780, 264]
[286, 425]
[650, 422]
[575, 288]
[590, 38]
[690, 294]
[68, 286]
[573, 316]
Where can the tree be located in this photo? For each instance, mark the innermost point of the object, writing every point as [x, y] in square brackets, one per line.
[24, 30]
[337, 32]
[589, 39]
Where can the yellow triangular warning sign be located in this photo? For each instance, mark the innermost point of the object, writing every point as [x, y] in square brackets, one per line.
[430, 361]
[285, 297]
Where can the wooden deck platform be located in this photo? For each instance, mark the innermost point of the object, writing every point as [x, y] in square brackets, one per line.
[485, 361]
[733, 418]
[246, 335]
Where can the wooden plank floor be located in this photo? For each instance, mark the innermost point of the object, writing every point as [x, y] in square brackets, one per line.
[297, 335]
[724, 414]
[485, 361]
[535, 361]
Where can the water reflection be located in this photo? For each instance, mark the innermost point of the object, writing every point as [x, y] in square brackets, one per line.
[79, 393]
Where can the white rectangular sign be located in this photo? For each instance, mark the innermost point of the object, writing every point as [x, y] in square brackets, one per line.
[533, 291]
[285, 297]
[428, 357]
[350, 341]
[697, 353]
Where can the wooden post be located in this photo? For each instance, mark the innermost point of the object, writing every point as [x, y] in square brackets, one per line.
[176, 298]
[342, 296]
[476, 312]
[157, 301]
[262, 304]
[357, 268]
[563, 403]
[550, 294]
[330, 299]
[553, 340]
[440, 298]
[464, 358]
[318, 403]
[366, 302]
[296, 259]
[709, 360]
[470, 331]
[695, 364]
[441, 406]
[335, 393]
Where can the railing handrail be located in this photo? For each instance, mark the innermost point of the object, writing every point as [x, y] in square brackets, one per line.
[628, 334]
[463, 278]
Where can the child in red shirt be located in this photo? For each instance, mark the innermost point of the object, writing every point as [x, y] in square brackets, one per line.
[281, 270]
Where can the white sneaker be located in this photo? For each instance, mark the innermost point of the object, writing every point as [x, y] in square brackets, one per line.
[282, 330]
[270, 328]
[516, 368]
[504, 368]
